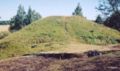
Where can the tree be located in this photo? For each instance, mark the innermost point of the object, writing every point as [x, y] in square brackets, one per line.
[32, 16]
[20, 18]
[113, 21]
[78, 10]
[35, 15]
[108, 7]
[29, 16]
[99, 19]
[4, 22]
[111, 9]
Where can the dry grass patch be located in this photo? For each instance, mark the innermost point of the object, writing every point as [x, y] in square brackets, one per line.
[4, 28]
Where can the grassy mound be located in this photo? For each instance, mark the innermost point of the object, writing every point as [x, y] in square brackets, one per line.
[54, 32]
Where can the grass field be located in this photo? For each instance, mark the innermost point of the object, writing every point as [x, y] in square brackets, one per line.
[69, 37]
[56, 33]
[4, 28]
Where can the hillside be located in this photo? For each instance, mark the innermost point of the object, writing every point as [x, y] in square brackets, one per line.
[53, 33]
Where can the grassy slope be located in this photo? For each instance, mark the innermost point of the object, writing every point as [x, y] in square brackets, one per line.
[54, 32]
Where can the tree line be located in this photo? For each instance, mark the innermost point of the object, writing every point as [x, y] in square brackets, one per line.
[110, 13]
[4, 22]
[110, 16]
[21, 19]
[110, 9]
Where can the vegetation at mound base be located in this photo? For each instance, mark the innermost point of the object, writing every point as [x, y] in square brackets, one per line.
[74, 62]
[53, 33]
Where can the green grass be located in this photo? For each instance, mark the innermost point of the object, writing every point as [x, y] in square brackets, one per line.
[52, 33]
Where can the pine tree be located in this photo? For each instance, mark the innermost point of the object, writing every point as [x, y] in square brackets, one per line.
[78, 10]
[108, 7]
[19, 18]
[28, 19]
[32, 16]
[99, 19]
[35, 16]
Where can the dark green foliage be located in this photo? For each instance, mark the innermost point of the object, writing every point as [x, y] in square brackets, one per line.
[111, 8]
[4, 22]
[107, 7]
[78, 10]
[21, 19]
[113, 21]
[18, 20]
[99, 19]
[31, 16]
[12, 20]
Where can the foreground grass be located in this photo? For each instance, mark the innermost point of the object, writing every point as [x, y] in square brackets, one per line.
[54, 33]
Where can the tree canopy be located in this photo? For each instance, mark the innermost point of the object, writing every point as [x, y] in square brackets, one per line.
[78, 10]
[108, 7]
[21, 19]
[99, 19]
[111, 9]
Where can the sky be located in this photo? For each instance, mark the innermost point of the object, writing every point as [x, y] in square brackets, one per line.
[8, 8]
